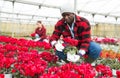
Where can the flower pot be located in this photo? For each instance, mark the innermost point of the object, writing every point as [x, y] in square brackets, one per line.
[114, 72]
[7, 75]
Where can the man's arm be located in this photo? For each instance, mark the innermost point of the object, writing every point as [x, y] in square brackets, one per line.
[85, 35]
[56, 33]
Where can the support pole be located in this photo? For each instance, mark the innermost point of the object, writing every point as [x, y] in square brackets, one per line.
[75, 6]
[12, 22]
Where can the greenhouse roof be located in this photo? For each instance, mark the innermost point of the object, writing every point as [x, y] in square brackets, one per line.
[29, 11]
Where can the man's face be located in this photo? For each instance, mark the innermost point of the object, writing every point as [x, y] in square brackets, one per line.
[69, 17]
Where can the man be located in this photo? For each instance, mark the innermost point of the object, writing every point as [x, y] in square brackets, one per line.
[78, 28]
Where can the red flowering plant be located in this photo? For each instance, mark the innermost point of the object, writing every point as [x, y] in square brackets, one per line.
[83, 70]
[118, 73]
[110, 41]
[103, 71]
[28, 45]
[7, 52]
[6, 64]
[50, 58]
[29, 65]
[1, 75]
[6, 40]
[70, 41]
[6, 58]
[33, 35]
[71, 49]
[70, 70]
[43, 46]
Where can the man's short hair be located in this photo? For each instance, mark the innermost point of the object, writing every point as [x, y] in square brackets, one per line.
[39, 22]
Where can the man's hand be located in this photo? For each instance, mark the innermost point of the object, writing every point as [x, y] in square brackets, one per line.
[37, 36]
[58, 45]
[53, 43]
[37, 39]
[81, 52]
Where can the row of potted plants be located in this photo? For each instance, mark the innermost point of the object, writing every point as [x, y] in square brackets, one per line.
[29, 59]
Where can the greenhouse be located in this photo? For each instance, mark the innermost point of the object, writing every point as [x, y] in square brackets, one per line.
[27, 52]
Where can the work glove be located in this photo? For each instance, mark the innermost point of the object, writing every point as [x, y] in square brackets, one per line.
[58, 45]
[37, 39]
[37, 36]
[59, 50]
[81, 52]
[46, 40]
